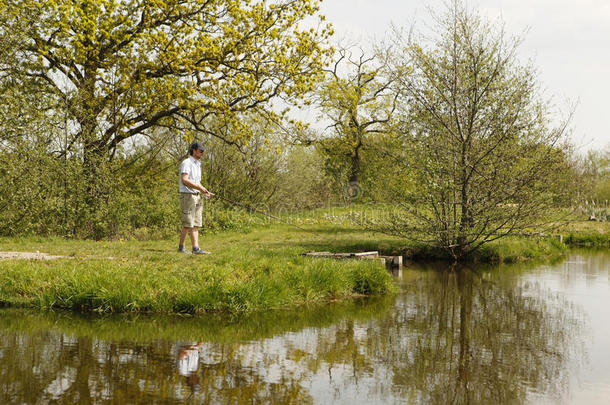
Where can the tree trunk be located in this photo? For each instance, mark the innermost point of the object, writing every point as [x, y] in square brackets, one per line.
[354, 177]
[464, 278]
[466, 221]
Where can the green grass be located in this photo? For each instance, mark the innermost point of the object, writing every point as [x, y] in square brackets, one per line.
[588, 239]
[247, 272]
[505, 250]
[256, 268]
[587, 233]
[519, 249]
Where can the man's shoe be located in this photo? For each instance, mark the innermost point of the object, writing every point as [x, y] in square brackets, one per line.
[199, 251]
[183, 250]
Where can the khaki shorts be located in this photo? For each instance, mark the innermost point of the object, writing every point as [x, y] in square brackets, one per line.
[191, 209]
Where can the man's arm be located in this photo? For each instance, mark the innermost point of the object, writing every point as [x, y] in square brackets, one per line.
[196, 186]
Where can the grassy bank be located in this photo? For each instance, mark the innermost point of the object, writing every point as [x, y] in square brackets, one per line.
[587, 234]
[519, 249]
[588, 239]
[256, 268]
[251, 271]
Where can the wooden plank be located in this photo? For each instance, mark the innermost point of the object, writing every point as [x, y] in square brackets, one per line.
[374, 254]
[360, 255]
[318, 254]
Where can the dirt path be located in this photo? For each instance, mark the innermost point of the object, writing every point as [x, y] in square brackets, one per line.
[28, 255]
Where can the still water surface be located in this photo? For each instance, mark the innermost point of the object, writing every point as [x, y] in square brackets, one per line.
[531, 334]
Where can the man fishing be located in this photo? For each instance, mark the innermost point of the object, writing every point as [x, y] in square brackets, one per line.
[191, 203]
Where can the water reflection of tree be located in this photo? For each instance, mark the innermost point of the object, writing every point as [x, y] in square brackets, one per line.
[46, 364]
[83, 370]
[469, 338]
[458, 337]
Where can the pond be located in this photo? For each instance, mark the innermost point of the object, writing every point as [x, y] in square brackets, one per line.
[531, 334]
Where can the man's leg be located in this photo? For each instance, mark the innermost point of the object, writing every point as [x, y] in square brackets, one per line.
[186, 210]
[183, 233]
[195, 230]
[195, 237]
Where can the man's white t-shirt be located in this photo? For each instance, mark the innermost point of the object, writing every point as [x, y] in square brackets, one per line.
[188, 365]
[192, 167]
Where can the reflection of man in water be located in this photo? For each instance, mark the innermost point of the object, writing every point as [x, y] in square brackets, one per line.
[188, 362]
[188, 358]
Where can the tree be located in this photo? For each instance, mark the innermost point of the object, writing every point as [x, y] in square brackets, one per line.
[28, 125]
[120, 69]
[475, 338]
[595, 168]
[487, 161]
[359, 99]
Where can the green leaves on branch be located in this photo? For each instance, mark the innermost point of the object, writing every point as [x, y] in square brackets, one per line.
[100, 73]
[486, 161]
[358, 99]
[128, 66]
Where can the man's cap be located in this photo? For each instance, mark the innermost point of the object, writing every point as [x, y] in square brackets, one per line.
[197, 145]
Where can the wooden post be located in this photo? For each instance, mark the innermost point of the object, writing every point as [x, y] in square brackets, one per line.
[393, 264]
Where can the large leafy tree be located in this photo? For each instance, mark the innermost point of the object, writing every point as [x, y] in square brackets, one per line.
[127, 66]
[487, 160]
[358, 99]
[121, 70]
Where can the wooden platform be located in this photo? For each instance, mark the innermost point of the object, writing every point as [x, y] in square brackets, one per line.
[362, 255]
